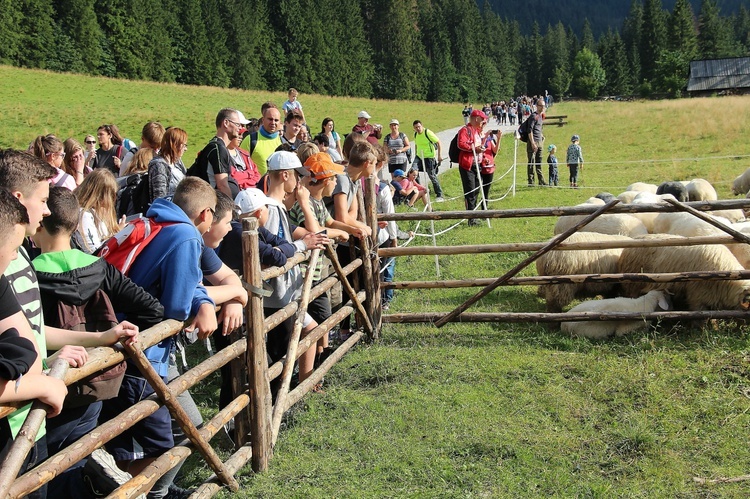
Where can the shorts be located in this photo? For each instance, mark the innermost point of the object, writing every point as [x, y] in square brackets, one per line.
[320, 307]
[151, 436]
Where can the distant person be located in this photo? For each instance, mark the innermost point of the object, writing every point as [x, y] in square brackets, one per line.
[574, 159]
[264, 142]
[487, 170]
[97, 196]
[111, 151]
[89, 152]
[51, 150]
[552, 163]
[466, 113]
[373, 133]
[334, 139]
[151, 135]
[471, 146]
[426, 146]
[292, 104]
[166, 170]
[535, 144]
[396, 144]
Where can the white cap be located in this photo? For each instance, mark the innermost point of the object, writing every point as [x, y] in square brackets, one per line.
[394, 121]
[285, 160]
[363, 114]
[241, 118]
[250, 200]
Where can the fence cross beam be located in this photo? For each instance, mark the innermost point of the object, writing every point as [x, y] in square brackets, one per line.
[331, 254]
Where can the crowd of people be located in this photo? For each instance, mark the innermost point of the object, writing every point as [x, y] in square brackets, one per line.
[70, 209]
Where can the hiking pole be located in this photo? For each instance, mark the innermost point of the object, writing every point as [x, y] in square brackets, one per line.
[479, 178]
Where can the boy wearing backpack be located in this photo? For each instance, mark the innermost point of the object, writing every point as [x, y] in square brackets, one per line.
[80, 291]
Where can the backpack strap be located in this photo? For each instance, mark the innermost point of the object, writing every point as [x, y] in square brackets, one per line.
[253, 141]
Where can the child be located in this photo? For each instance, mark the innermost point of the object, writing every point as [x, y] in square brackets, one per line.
[399, 194]
[284, 169]
[574, 160]
[552, 162]
[409, 186]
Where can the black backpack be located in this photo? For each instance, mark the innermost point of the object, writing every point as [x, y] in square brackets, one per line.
[134, 197]
[453, 150]
[525, 129]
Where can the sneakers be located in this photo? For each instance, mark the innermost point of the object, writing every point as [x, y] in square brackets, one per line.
[386, 305]
[101, 474]
[176, 492]
[439, 199]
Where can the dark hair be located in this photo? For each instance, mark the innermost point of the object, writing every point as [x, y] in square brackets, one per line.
[20, 171]
[293, 115]
[114, 132]
[63, 206]
[322, 139]
[224, 115]
[349, 141]
[327, 120]
[12, 212]
[416, 122]
[224, 204]
[266, 106]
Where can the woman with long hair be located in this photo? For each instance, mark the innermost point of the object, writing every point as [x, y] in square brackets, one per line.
[166, 170]
[334, 140]
[74, 162]
[98, 219]
[50, 149]
[111, 151]
[129, 200]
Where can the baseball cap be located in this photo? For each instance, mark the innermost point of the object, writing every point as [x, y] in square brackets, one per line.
[250, 200]
[320, 165]
[478, 112]
[399, 173]
[241, 118]
[551, 146]
[394, 121]
[574, 138]
[363, 114]
[285, 160]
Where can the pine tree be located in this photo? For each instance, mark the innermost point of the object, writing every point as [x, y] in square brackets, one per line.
[196, 51]
[682, 33]
[654, 37]
[742, 29]
[555, 53]
[713, 37]
[10, 39]
[442, 78]
[78, 22]
[217, 42]
[587, 36]
[615, 64]
[632, 31]
[352, 56]
[37, 33]
[122, 37]
[534, 62]
[588, 75]
[245, 22]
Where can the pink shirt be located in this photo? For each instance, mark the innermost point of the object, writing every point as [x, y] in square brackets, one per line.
[407, 184]
[62, 179]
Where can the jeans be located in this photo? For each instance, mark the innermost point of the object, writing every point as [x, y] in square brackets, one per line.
[431, 168]
[486, 184]
[535, 164]
[389, 268]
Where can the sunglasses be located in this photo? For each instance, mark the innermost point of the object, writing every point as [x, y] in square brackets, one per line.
[91, 142]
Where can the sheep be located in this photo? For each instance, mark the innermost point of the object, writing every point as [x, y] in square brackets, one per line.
[648, 198]
[691, 295]
[649, 302]
[627, 196]
[602, 261]
[605, 196]
[701, 190]
[733, 216]
[622, 224]
[676, 189]
[643, 187]
[741, 184]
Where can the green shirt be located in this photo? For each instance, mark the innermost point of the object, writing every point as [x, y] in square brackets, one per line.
[25, 286]
[321, 215]
[425, 144]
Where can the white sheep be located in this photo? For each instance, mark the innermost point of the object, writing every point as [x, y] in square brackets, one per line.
[643, 187]
[561, 262]
[734, 216]
[616, 224]
[691, 295]
[627, 196]
[701, 190]
[648, 198]
[741, 184]
[649, 302]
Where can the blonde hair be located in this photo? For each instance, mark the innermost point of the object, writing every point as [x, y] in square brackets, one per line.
[306, 150]
[97, 194]
[139, 163]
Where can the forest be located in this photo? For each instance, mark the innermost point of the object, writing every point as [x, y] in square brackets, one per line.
[434, 50]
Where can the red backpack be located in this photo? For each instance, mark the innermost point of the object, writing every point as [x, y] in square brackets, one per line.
[123, 248]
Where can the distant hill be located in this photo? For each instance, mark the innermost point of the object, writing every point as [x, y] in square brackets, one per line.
[602, 14]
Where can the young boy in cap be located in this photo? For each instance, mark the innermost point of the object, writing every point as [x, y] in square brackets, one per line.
[552, 163]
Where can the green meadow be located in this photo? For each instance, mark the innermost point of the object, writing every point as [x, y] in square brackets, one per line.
[483, 410]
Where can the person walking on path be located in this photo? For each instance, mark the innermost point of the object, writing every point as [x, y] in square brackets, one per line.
[535, 145]
[426, 146]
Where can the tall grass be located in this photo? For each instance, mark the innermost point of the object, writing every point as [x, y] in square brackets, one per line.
[484, 410]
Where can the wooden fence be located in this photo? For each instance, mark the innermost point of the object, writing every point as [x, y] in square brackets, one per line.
[257, 419]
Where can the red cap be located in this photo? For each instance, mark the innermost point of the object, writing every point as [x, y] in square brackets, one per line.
[478, 112]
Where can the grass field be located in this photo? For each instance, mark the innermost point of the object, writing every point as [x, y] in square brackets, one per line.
[485, 410]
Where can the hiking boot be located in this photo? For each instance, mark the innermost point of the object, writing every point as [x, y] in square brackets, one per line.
[176, 492]
[101, 474]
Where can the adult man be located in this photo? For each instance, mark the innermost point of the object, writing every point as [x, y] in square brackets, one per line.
[535, 145]
[471, 145]
[266, 140]
[425, 143]
[214, 162]
[371, 132]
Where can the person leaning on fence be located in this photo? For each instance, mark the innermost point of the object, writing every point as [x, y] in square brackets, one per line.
[387, 231]
[284, 171]
[169, 269]
[74, 278]
[574, 159]
[21, 376]
[426, 146]
[535, 145]
[343, 204]
[471, 149]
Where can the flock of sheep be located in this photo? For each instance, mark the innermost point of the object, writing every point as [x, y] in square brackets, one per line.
[647, 297]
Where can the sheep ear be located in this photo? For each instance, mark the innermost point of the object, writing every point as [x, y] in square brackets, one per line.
[664, 302]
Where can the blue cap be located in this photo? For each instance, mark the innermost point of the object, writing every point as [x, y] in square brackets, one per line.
[399, 173]
[575, 138]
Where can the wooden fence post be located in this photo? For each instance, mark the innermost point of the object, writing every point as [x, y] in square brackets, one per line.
[257, 362]
[372, 292]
